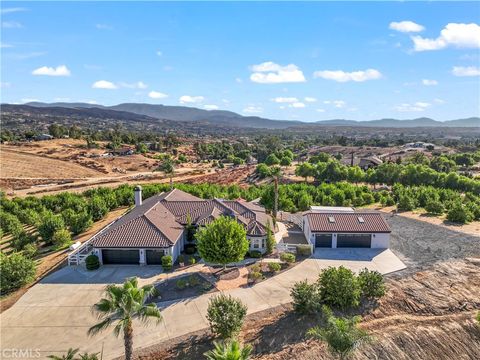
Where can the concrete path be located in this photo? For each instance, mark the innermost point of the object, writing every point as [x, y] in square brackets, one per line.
[55, 314]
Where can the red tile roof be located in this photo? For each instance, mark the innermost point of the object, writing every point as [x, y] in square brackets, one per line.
[347, 222]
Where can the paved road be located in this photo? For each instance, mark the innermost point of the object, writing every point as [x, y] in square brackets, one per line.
[55, 314]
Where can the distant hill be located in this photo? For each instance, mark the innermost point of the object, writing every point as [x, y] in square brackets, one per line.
[228, 118]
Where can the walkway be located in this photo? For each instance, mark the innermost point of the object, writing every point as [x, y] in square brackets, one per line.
[55, 314]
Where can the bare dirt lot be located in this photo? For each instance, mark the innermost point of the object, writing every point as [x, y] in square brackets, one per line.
[428, 312]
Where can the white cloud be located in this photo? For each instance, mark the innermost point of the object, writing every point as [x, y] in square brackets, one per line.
[239, 80]
[226, 101]
[416, 107]
[159, 53]
[406, 26]
[187, 99]
[60, 70]
[342, 76]
[136, 85]
[12, 10]
[428, 82]
[5, 85]
[62, 99]
[25, 56]
[211, 107]
[104, 84]
[466, 71]
[92, 102]
[271, 73]
[27, 100]
[157, 95]
[310, 99]
[253, 110]
[11, 25]
[103, 27]
[297, 105]
[4, 46]
[321, 110]
[337, 103]
[439, 101]
[285, 99]
[457, 35]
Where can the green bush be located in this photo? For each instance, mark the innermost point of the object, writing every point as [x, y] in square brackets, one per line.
[339, 287]
[92, 262]
[16, 270]
[30, 250]
[225, 315]
[287, 257]
[434, 207]
[304, 250]
[22, 239]
[305, 297]
[255, 254]
[371, 283]
[191, 260]
[49, 225]
[181, 284]
[274, 267]
[459, 213]
[181, 259]
[167, 262]
[61, 238]
[255, 276]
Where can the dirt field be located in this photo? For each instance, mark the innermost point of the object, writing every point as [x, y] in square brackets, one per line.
[428, 312]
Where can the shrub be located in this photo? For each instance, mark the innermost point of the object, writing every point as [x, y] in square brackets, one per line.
[459, 213]
[287, 257]
[339, 287]
[30, 250]
[181, 259]
[405, 202]
[255, 254]
[21, 240]
[229, 350]
[255, 268]
[434, 207]
[255, 276]
[49, 225]
[305, 297]
[16, 270]
[371, 283]
[191, 260]
[92, 262]
[274, 267]
[193, 280]
[304, 250]
[225, 315]
[61, 238]
[181, 284]
[167, 262]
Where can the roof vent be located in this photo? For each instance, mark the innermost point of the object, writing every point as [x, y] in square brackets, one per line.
[331, 219]
[361, 220]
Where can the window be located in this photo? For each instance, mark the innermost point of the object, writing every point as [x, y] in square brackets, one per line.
[263, 243]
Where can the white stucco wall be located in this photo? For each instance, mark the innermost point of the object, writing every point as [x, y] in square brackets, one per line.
[381, 241]
[262, 243]
[306, 230]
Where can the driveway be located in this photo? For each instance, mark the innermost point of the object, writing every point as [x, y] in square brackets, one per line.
[55, 314]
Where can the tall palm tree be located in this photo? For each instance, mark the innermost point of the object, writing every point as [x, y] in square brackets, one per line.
[229, 351]
[120, 306]
[275, 173]
[168, 167]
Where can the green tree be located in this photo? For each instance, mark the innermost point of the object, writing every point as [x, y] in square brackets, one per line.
[61, 238]
[459, 213]
[70, 355]
[49, 225]
[270, 245]
[342, 335]
[225, 315]
[339, 287]
[16, 270]
[305, 170]
[285, 161]
[231, 350]
[168, 167]
[275, 173]
[435, 207]
[306, 299]
[121, 305]
[371, 283]
[223, 241]
[97, 208]
[272, 159]
[263, 170]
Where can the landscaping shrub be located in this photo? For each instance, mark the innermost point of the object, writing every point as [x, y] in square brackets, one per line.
[92, 262]
[229, 350]
[304, 250]
[181, 284]
[255, 276]
[191, 260]
[16, 270]
[287, 257]
[181, 259]
[61, 238]
[339, 287]
[167, 262]
[255, 254]
[434, 207]
[305, 297]
[459, 213]
[30, 250]
[274, 267]
[225, 315]
[22, 239]
[255, 268]
[49, 225]
[371, 283]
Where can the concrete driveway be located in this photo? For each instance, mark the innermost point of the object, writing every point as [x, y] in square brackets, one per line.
[55, 314]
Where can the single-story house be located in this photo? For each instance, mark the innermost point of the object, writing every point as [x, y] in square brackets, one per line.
[157, 226]
[370, 162]
[43, 137]
[346, 228]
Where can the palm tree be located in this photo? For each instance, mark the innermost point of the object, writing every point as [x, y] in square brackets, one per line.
[342, 335]
[168, 167]
[121, 305]
[275, 173]
[229, 351]
[70, 355]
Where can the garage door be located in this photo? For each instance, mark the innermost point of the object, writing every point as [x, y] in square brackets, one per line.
[111, 256]
[323, 240]
[154, 257]
[354, 240]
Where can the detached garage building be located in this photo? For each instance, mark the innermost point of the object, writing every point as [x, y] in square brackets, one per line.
[346, 229]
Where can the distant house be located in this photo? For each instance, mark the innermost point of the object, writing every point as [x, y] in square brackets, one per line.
[345, 228]
[370, 162]
[43, 137]
[157, 226]
[123, 151]
[420, 145]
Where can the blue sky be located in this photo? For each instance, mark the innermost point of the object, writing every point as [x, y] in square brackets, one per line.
[304, 61]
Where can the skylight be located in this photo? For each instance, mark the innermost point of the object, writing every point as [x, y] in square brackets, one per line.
[331, 219]
[361, 220]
